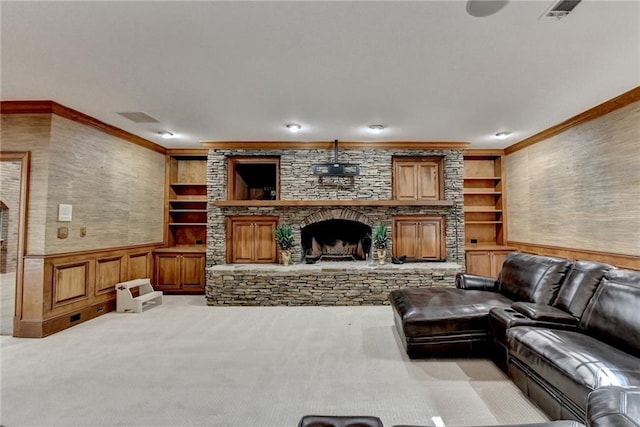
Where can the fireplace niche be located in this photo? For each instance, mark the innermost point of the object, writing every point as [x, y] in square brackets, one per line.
[336, 240]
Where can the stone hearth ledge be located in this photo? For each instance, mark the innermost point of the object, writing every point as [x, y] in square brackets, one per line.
[323, 283]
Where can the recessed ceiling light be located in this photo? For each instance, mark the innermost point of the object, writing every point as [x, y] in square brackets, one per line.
[294, 127]
[502, 135]
[166, 134]
[376, 128]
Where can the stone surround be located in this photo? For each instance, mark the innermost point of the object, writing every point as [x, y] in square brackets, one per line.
[326, 283]
[350, 283]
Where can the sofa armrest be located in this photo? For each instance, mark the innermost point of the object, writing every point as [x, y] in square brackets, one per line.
[614, 406]
[544, 313]
[477, 283]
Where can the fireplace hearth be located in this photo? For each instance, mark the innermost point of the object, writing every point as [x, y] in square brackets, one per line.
[336, 240]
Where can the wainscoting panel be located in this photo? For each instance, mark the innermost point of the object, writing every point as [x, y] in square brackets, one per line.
[140, 265]
[70, 283]
[108, 273]
[63, 290]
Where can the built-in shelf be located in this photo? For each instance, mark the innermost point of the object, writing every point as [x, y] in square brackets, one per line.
[482, 178]
[186, 224]
[189, 199]
[481, 209]
[481, 191]
[483, 222]
[188, 210]
[276, 203]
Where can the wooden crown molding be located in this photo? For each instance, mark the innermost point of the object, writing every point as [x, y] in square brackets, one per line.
[606, 107]
[50, 107]
[325, 145]
[483, 152]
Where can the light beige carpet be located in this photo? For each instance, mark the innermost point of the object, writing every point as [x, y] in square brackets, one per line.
[186, 364]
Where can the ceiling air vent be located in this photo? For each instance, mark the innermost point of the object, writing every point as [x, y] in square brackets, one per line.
[139, 117]
[560, 9]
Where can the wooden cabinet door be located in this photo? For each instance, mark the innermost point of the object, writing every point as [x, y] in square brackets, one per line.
[430, 241]
[192, 271]
[479, 262]
[497, 261]
[243, 242]
[264, 242]
[251, 239]
[405, 182]
[405, 241]
[167, 269]
[428, 182]
[419, 237]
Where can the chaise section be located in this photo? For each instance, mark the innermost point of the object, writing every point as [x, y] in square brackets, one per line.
[443, 321]
[436, 322]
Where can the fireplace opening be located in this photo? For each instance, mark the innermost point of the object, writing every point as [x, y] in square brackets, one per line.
[336, 240]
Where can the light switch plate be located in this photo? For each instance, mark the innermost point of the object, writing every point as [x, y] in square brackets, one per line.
[65, 213]
[63, 232]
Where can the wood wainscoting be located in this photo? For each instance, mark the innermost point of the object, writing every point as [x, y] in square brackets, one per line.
[630, 262]
[62, 290]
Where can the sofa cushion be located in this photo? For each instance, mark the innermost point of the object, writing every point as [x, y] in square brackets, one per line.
[614, 407]
[580, 284]
[532, 278]
[573, 362]
[444, 311]
[613, 313]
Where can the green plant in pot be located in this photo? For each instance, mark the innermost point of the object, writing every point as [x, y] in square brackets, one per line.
[284, 239]
[381, 241]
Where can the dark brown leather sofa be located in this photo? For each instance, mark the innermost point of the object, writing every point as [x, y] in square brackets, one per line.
[455, 321]
[558, 367]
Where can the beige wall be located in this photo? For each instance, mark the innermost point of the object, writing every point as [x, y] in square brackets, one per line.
[116, 187]
[580, 189]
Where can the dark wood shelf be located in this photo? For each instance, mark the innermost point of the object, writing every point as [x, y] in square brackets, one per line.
[276, 203]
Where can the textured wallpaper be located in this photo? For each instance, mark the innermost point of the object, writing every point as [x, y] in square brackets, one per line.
[580, 189]
[116, 187]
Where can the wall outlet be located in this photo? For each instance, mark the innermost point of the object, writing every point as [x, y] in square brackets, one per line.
[83, 231]
[63, 232]
[474, 241]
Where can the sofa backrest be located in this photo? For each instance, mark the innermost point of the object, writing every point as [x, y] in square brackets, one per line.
[613, 313]
[579, 285]
[532, 278]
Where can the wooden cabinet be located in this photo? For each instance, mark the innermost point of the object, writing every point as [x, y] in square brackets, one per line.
[253, 178]
[180, 272]
[250, 239]
[418, 178]
[484, 212]
[187, 197]
[484, 201]
[486, 262]
[180, 267]
[419, 237]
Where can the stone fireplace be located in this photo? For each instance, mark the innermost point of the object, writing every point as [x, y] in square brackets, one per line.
[338, 227]
[325, 237]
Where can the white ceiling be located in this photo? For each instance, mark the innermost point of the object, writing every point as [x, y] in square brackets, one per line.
[239, 71]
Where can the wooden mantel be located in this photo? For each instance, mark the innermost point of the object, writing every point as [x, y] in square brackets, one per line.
[345, 202]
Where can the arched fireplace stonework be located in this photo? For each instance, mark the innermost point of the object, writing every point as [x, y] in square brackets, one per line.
[337, 235]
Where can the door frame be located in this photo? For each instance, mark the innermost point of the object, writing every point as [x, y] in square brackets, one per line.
[24, 157]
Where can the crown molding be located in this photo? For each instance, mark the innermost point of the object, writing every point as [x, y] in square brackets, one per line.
[606, 107]
[50, 107]
[323, 145]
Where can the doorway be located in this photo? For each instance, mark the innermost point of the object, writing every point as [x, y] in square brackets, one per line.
[14, 168]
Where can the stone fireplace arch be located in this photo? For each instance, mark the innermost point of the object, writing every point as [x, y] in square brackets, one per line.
[336, 234]
[329, 214]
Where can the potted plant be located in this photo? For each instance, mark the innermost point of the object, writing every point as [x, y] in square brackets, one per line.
[381, 241]
[284, 239]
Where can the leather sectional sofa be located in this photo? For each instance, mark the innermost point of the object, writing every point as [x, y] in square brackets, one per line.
[561, 330]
